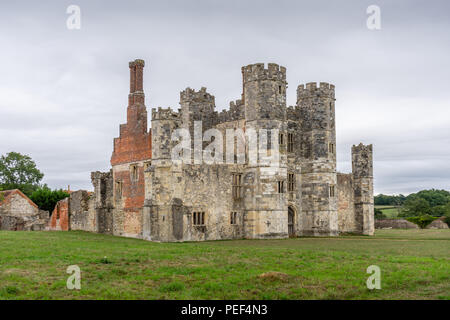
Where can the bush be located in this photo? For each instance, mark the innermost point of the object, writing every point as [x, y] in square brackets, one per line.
[422, 221]
[379, 214]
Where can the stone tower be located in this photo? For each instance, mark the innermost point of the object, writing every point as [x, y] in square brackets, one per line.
[264, 98]
[318, 159]
[362, 167]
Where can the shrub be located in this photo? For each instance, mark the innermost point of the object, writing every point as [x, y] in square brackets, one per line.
[379, 214]
[422, 221]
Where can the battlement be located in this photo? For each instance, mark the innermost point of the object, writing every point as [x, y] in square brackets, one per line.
[137, 62]
[236, 112]
[190, 95]
[312, 89]
[292, 113]
[165, 114]
[257, 72]
[362, 148]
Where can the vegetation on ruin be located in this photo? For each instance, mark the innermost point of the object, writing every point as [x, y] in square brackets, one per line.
[414, 265]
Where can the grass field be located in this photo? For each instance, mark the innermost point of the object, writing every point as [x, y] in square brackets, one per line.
[414, 264]
[389, 211]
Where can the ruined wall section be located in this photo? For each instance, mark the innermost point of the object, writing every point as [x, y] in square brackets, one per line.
[59, 221]
[104, 203]
[82, 211]
[318, 159]
[346, 203]
[362, 168]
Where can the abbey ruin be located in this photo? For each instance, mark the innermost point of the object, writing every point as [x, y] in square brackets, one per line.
[148, 195]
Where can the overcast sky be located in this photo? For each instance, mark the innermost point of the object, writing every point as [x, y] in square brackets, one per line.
[63, 93]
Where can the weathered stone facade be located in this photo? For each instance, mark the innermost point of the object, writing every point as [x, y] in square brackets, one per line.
[149, 195]
[18, 212]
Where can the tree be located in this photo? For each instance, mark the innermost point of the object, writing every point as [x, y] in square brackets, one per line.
[19, 171]
[46, 199]
[415, 207]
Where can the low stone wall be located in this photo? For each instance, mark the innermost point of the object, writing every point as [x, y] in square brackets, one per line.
[438, 224]
[394, 224]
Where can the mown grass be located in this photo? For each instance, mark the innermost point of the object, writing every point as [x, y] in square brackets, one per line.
[415, 264]
[389, 211]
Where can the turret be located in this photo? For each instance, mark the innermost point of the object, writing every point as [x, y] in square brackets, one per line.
[362, 167]
[264, 91]
[318, 158]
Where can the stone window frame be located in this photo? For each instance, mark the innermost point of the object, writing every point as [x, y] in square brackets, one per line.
[332, 191]
[233, 218]
[134, 172]
[198, 218]
[236, 185]
[331, 148]
[281, 139]
[118, 189]
[290, 142]
[291, 182]
[280, 186]
[147, 164]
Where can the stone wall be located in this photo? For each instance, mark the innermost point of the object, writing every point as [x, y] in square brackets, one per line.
[82, 211]
[346, 203]
[394, 224]
[18, 212]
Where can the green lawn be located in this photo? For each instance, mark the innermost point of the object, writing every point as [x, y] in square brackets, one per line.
[389, 211]
[414, 264]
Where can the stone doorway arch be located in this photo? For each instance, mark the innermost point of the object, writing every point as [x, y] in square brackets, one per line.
[291, 222]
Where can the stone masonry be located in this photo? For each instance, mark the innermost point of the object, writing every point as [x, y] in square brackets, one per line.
[148, 195]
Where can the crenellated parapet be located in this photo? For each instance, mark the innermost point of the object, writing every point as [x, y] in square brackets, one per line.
[236, 112]
[190, 95]
[165, 114]
[362, 161]
[312, 89]
[258, 72]
[292, 113]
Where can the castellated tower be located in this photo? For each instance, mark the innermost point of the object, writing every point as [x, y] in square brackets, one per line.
[197, 106]
[264, 97]
[318, 159]
[362, 165]
[162, 180]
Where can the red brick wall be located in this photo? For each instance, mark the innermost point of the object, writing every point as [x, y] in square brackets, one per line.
[60, 216]
[134, 145]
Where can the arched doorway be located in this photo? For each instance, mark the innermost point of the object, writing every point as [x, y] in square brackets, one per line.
[291, 220]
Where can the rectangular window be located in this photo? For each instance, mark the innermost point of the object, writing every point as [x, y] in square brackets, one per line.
[281, 186]
[331, 148]
[237, 185]
[198, 218]
[290, 144]
[291, 182]
[281, 139]
[134, 173]
[332, 191]
[233, 218]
